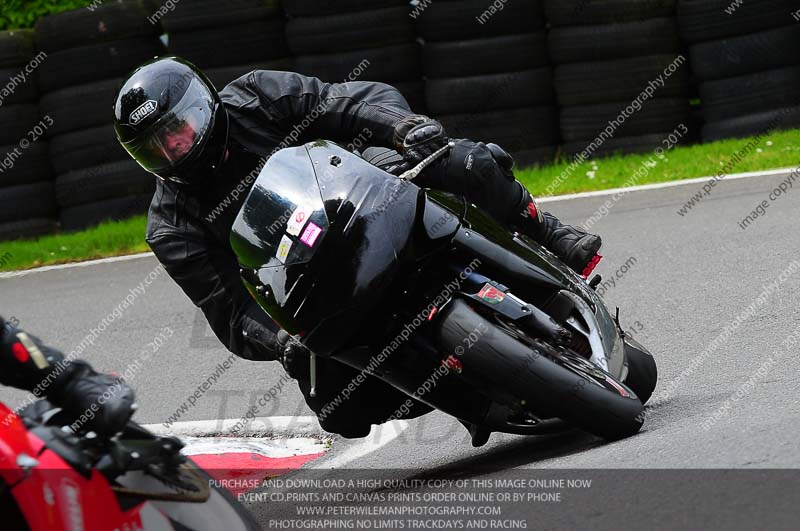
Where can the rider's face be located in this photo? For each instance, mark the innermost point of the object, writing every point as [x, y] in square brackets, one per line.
[180, 140]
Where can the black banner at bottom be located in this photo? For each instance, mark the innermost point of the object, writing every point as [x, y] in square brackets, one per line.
[521, 499]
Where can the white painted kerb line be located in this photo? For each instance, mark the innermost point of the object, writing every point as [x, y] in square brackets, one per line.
[658, 186]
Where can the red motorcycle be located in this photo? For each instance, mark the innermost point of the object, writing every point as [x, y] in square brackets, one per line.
[54, 479]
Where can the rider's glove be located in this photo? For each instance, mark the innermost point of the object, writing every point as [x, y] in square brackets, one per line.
[295, 356]
[417, 137]
[99, 402]
[503, 158]
[96, 402]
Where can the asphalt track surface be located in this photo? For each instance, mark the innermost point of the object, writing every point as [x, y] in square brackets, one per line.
[692, 275]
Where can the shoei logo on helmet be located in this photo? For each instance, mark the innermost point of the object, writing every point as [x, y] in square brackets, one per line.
[143, 111]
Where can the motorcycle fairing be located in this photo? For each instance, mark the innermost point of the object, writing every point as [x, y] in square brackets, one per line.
[537, 276]
[368, 218]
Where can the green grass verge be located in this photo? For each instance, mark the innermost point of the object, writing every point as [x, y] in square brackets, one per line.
[777, 150]
[109, 239]
[16, 14]
[780, 149]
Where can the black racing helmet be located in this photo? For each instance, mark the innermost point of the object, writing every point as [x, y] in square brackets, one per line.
[170, 119]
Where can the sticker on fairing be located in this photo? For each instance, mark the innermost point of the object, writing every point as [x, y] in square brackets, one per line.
[283, 248]
[298, 219]
[311, 234]
[491, 294]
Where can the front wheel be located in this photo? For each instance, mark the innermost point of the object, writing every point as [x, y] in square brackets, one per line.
[543, 378]
[642, 371]
[220, 511]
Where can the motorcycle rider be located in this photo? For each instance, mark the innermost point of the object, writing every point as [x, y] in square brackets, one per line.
[207, 148]
[26, 363]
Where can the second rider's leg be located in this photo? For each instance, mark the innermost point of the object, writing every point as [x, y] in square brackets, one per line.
[483, 174]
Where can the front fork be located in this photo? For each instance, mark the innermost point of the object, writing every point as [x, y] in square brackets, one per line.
[312, 369]
[499, 299]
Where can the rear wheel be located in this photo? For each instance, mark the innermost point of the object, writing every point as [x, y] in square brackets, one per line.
[552, 381]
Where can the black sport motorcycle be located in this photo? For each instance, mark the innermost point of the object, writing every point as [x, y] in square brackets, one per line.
[428, 293]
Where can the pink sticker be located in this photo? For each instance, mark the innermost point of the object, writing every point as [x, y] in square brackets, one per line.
[310, 235]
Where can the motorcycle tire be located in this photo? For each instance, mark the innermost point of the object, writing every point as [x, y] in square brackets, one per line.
[78, 66]
[392, 63]
[745, 54]
[642, 371]
[742, 95]
[619, 145]
[107, 181]
[106, 22]
[247, 520]
[604, 42]
[16, 48]
[90, 214]
[512, 129]
[707, 20]
[316, 8]
[479, 57]
[752, 124]
[16, 121]
[199, 14]
[27, 201]
[85, 148]
[461, 19]
[585, 12]
[24, 166]
[350, 31]
[532, 375]
[24, 93]
[540, 156]
[216, 47]
[80, 107]
[26, 229]
[585, 122]
[510, 90]
[618, 80]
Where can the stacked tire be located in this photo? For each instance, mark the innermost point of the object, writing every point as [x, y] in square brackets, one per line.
[746, 59]
[607, 52]
[27, 201]
[88, 54]
[356, 40]
[487, 77]
[228, 39]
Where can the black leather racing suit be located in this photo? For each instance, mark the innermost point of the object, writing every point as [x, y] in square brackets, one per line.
[188, 228]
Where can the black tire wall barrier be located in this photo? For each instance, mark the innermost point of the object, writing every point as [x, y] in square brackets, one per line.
[539, 77]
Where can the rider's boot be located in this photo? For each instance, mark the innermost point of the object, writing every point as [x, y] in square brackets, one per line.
[574, 246]
[478, 434]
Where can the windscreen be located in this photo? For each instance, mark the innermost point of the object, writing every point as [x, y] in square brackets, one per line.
[283, 220]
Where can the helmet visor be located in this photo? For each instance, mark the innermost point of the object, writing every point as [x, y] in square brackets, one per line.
[174, 137]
